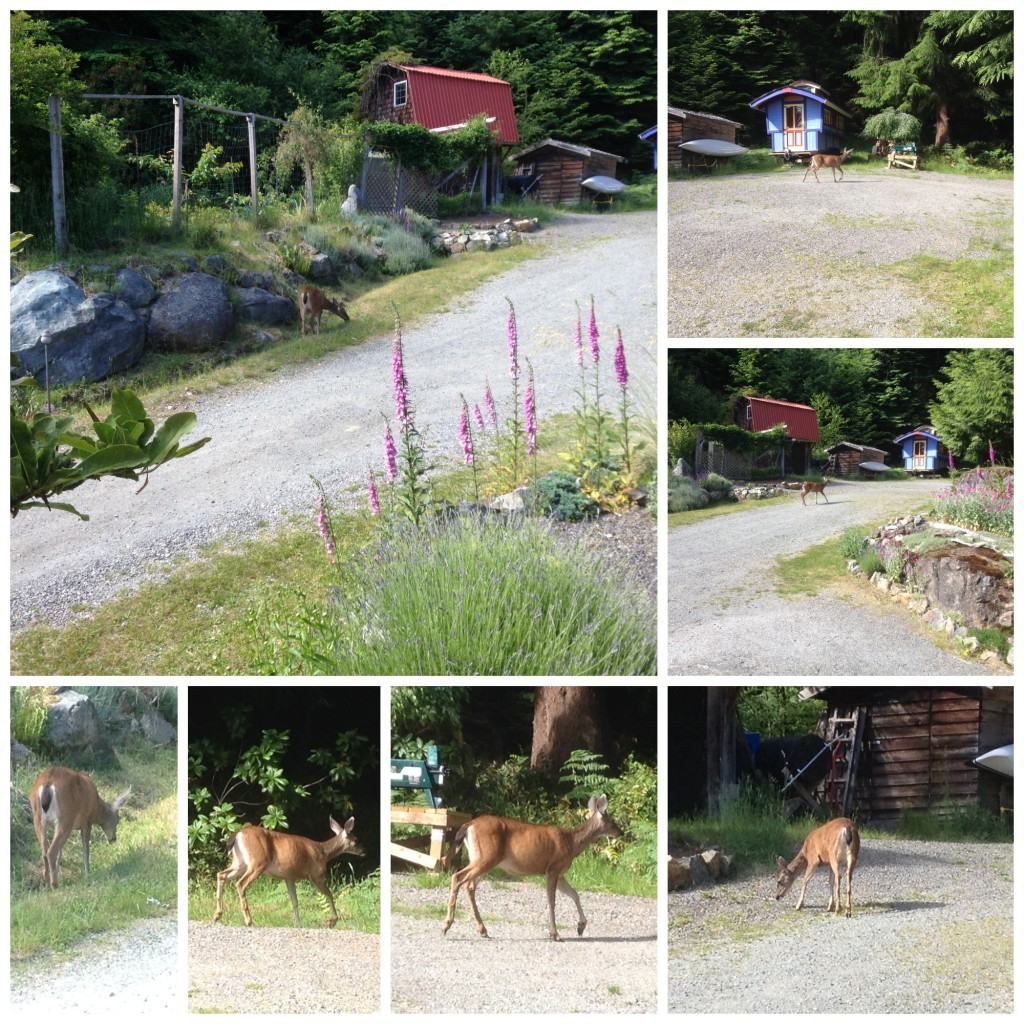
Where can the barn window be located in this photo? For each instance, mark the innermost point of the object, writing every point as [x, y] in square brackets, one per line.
[401, 93]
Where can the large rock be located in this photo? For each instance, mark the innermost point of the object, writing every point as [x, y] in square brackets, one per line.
[74, 727]
[193, 314]
[134, 289]
[265, 307]
[970, 581]
[90, 338]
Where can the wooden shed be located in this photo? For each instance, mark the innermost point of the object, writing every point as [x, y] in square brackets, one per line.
[845, 458]
[918, 742]
[690, 125]
[923, 451]
[556, 170]
[801, 423]
[800, 119]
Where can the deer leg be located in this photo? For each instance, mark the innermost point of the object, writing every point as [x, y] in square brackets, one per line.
[325, 889]
[803, 889]
[289, 884]
[833, 892]
[849, 890]
[60, 837]
[568, 890]
[552, 886]
[86, 837]
[243, 883]
[465, 877]
[471, 893]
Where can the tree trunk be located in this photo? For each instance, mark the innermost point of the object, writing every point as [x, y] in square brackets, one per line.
[943, 132]
[565, 718]
[308, 167]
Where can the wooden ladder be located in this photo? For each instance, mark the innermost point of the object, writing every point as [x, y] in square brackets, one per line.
[844, 733]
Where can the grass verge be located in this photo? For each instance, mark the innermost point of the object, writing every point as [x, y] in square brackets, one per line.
[729, 508]
[132, 879]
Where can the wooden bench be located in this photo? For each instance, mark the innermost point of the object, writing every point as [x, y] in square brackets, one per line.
[428, 776]
[904, 154]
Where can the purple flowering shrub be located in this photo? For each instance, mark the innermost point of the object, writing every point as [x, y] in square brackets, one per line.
[978, 502]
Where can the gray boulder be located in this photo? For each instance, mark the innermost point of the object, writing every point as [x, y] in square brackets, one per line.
[193, 314]
[73, 726]
[350, 207]
[134, 289]
[264, 307]
[90, 338]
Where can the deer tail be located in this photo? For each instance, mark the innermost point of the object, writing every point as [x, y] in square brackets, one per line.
[460, 837]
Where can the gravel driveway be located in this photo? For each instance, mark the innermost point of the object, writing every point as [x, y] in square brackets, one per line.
[324, 419]
[725, 619]
[282, 970]
[769, 255]
[121, 974]
[931, 932]
[611, 969]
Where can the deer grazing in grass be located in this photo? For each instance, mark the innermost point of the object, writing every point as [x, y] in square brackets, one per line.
[524, 849]
[820, 160]
[313, 302]
[259, 851]
[835, 843]
[69, 801]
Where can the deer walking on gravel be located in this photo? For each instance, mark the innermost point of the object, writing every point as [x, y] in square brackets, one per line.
[522, 848]
[820, 160]
[259, 851]
[835, 843]
[69, 801]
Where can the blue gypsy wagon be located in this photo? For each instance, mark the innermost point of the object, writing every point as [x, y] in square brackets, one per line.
[801, 120]
[923, 451]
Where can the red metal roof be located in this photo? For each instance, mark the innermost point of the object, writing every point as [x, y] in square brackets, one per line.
[441, 98]
[801, 420]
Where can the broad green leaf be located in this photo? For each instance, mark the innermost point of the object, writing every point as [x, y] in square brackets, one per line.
[126, 406]
[107, 460]
[176, 425]
[22, 451]
[60, 506]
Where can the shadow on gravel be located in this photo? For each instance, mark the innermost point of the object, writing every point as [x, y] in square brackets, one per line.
[903, 906]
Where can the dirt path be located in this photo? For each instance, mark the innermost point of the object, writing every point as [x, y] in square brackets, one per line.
[324, 419]
[724, 617]
[769, 255]
[931, 932]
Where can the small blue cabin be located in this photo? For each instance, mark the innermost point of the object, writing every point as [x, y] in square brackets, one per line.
[923, 451]
[801, 119]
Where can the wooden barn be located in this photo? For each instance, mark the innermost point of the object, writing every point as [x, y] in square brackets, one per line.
[555, 171]
[923, 451]
[918, 744]
[800, 421]
[443, 100]
[690, 125]
[800, 119]
[846, 458]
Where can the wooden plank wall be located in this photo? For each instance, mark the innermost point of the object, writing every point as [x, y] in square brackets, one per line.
[917, 747]
[562, 174]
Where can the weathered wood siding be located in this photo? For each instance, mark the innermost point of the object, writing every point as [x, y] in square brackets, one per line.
[561, 174]
[694, 126]
[918, 742]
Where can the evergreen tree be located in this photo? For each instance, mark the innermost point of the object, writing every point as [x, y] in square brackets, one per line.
[973, 406]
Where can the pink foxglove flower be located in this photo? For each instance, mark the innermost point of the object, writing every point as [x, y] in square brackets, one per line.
[390, 454]
[595, 352]
[530, 403]
[951, 466]
[325, 531]
[492, 413]
[513, 342]
[464, 435]
[577, 338]
[621, 373]
[372, 494]
[991, 454]
[479, 417]
[400, 383]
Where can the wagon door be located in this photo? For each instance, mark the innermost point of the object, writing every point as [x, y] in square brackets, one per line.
[793, 126]
[920, 455]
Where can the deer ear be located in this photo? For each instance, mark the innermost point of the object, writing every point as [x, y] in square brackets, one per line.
[350, 824]
[783, 863]
[335, 827]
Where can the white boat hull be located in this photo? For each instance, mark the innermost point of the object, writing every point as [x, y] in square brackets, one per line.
[999, 760]
[712, 147]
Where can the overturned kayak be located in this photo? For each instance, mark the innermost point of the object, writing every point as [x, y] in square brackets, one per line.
[605, 185]
[999, 760]
[712, 147]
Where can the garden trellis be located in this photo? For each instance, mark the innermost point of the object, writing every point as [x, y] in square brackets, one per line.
[191, 146]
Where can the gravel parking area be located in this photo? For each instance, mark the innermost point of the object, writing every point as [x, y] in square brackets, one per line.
[724, 617]
[612, 968]
[769, 255]
[931, 932]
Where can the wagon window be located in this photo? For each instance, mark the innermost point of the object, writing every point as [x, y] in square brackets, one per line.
[401, 93]
[793, 114]
[919, 449]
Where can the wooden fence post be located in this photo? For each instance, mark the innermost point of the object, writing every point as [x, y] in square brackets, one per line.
[179, 134]
[60, 223]
[251, 123]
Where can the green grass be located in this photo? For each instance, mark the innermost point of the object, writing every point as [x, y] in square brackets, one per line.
[956, 823]
[358, 904]
[134, 878]
[700, 514]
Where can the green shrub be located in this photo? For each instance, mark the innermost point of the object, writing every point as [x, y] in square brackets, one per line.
[404, 252]
[869, 562]
[852, 543]
[560, 497]
[718, 488]
[685, 495]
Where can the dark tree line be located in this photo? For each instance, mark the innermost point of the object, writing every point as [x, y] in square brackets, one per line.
[864, 395]
[951, 69]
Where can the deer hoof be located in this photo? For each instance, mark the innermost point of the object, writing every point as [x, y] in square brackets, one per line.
[580, 927]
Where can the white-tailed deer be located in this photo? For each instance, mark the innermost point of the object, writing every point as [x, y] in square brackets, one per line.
[835, 843]
[259, 851]
[820, 160]
[524, 849]
[313, 302]
[69, 801]
[815, 488]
